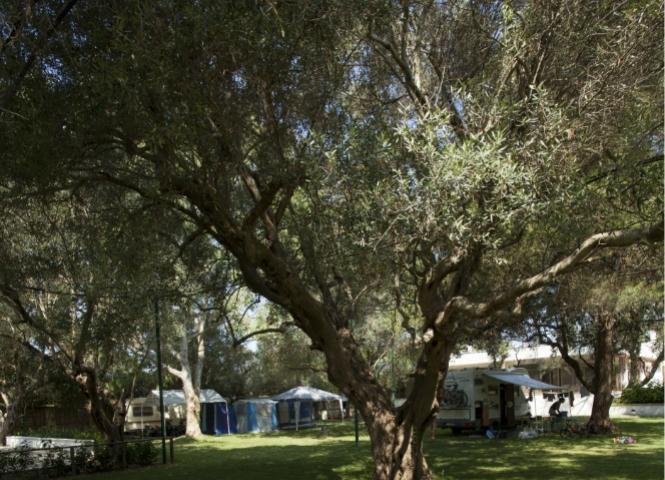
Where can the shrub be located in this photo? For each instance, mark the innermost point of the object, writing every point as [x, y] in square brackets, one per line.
[648, 394]
[141, 453]
[55, 462]
[17, 460]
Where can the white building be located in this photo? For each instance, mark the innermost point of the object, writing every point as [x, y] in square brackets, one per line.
[544, 363]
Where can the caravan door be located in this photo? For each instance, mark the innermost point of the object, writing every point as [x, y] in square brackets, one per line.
[507, 404]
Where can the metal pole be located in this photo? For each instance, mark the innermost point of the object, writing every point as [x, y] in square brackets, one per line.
[159, 380]
[355, 421]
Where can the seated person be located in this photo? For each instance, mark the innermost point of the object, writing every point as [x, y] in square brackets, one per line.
[555, 408]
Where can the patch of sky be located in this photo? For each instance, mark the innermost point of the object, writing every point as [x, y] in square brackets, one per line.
[252, 345]
[332, 107]
[53, 68]
[394, 90]
[238, 78]
[359, 73]
[5, 27]
[412, 122]
[78, 39]
[302, 130]
[296, 63]
[440, 254]
[459, 105]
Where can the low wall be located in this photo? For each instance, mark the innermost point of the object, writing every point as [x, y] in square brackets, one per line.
[15, 441]
[638, 410]
[582, 408]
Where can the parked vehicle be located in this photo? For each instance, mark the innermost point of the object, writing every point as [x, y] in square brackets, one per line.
[474, 398]
[143, 417]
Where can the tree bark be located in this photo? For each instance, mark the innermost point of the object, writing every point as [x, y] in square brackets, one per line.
[193, 408]
[191, 377]
[655, 365]
[397, 449]
[192, 401]
[101, 409]
[636, 364]
[600, 422]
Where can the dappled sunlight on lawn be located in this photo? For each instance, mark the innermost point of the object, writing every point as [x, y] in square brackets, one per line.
[332, 454]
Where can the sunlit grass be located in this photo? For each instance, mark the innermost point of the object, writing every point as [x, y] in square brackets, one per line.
[312, 454]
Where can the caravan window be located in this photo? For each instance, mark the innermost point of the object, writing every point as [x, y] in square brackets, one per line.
[142, 411]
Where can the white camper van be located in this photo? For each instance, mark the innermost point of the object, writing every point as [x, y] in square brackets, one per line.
[474, 398]
[143, 416]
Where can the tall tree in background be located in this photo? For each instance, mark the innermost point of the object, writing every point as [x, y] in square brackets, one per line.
[71, 290]
[21, 376]
[452, 146]
[591, 323]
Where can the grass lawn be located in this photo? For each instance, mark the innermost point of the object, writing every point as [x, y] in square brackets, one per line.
[311, 455]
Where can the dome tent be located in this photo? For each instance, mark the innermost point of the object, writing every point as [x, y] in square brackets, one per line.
[296, 406]
[256, 415]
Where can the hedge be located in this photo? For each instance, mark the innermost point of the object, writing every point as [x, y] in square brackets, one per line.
[649, 394]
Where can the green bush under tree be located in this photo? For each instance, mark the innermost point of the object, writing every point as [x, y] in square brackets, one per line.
[647, 394]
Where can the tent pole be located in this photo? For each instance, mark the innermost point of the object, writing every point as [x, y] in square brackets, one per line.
[228, 420]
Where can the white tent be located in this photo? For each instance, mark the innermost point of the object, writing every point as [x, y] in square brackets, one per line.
[311, 394]
[177, 397]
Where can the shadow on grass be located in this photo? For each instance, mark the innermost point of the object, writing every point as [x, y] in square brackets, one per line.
[205, 460]
[308, 455]
[551, 456]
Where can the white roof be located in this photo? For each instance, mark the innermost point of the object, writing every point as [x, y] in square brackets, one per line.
[308, 393]
[255, 400]
[177, 397]
[521, 354]
[521, 379]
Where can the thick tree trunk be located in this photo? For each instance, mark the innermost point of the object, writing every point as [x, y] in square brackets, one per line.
[193, 407]
[599, 422]
[191, 378]
[397, 449]
[634, 373]
[397, 434]
[101, 409]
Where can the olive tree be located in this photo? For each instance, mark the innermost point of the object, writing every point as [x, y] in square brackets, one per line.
[337, 149]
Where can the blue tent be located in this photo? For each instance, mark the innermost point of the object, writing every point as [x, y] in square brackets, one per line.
[217, 418]
[254, 415]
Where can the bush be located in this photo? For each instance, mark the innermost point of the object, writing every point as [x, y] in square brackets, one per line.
[141, 453]
[55, 463]
[17, 460]
[649, 394]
